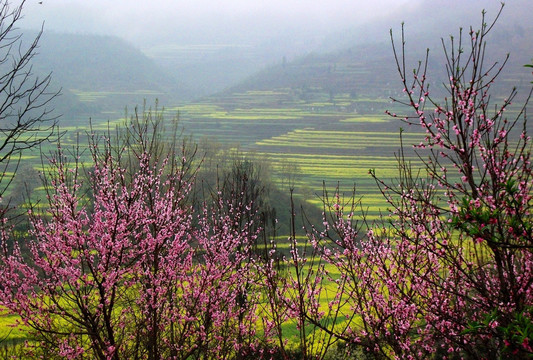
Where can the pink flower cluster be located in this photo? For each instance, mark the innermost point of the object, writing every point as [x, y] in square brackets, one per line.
[135, 272]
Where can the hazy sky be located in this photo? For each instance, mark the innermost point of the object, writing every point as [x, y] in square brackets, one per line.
[300, 24]
[204, 20]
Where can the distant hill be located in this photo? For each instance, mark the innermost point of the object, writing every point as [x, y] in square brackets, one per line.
[213, 67]
[100, 75]
[426, 21]
[368, 70]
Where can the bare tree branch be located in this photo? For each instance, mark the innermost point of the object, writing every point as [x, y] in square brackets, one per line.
[26, 113]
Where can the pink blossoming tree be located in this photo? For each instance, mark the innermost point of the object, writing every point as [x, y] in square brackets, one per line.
[449, 271]
[128, 270]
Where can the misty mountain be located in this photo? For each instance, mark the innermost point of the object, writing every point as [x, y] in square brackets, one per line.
[365, 70]
[429, 21]
[209, 68]
[101, 74]
[368, 69]
[212, 67]
[101, 63]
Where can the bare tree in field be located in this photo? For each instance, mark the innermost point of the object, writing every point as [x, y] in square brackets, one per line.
[26, 117]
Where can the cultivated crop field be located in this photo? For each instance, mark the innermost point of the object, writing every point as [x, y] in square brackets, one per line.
[325, 140]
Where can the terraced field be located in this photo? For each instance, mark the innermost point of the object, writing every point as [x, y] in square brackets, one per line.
[323, 114]
[330, 138]
[338, 159]
[326, 140]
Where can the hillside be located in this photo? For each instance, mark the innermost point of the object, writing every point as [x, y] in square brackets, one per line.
[322, 114]
[325, 113]
[368, 70]
[100, 75]
[324, 89]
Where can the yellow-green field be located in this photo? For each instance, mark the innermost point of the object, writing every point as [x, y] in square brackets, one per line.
[9, 333]
[323, 137]
[318, 157]
[92, 96]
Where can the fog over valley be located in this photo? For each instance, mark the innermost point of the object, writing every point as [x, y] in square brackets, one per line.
[209, 46]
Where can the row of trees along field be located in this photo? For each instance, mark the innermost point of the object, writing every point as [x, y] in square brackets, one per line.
[124, 264]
